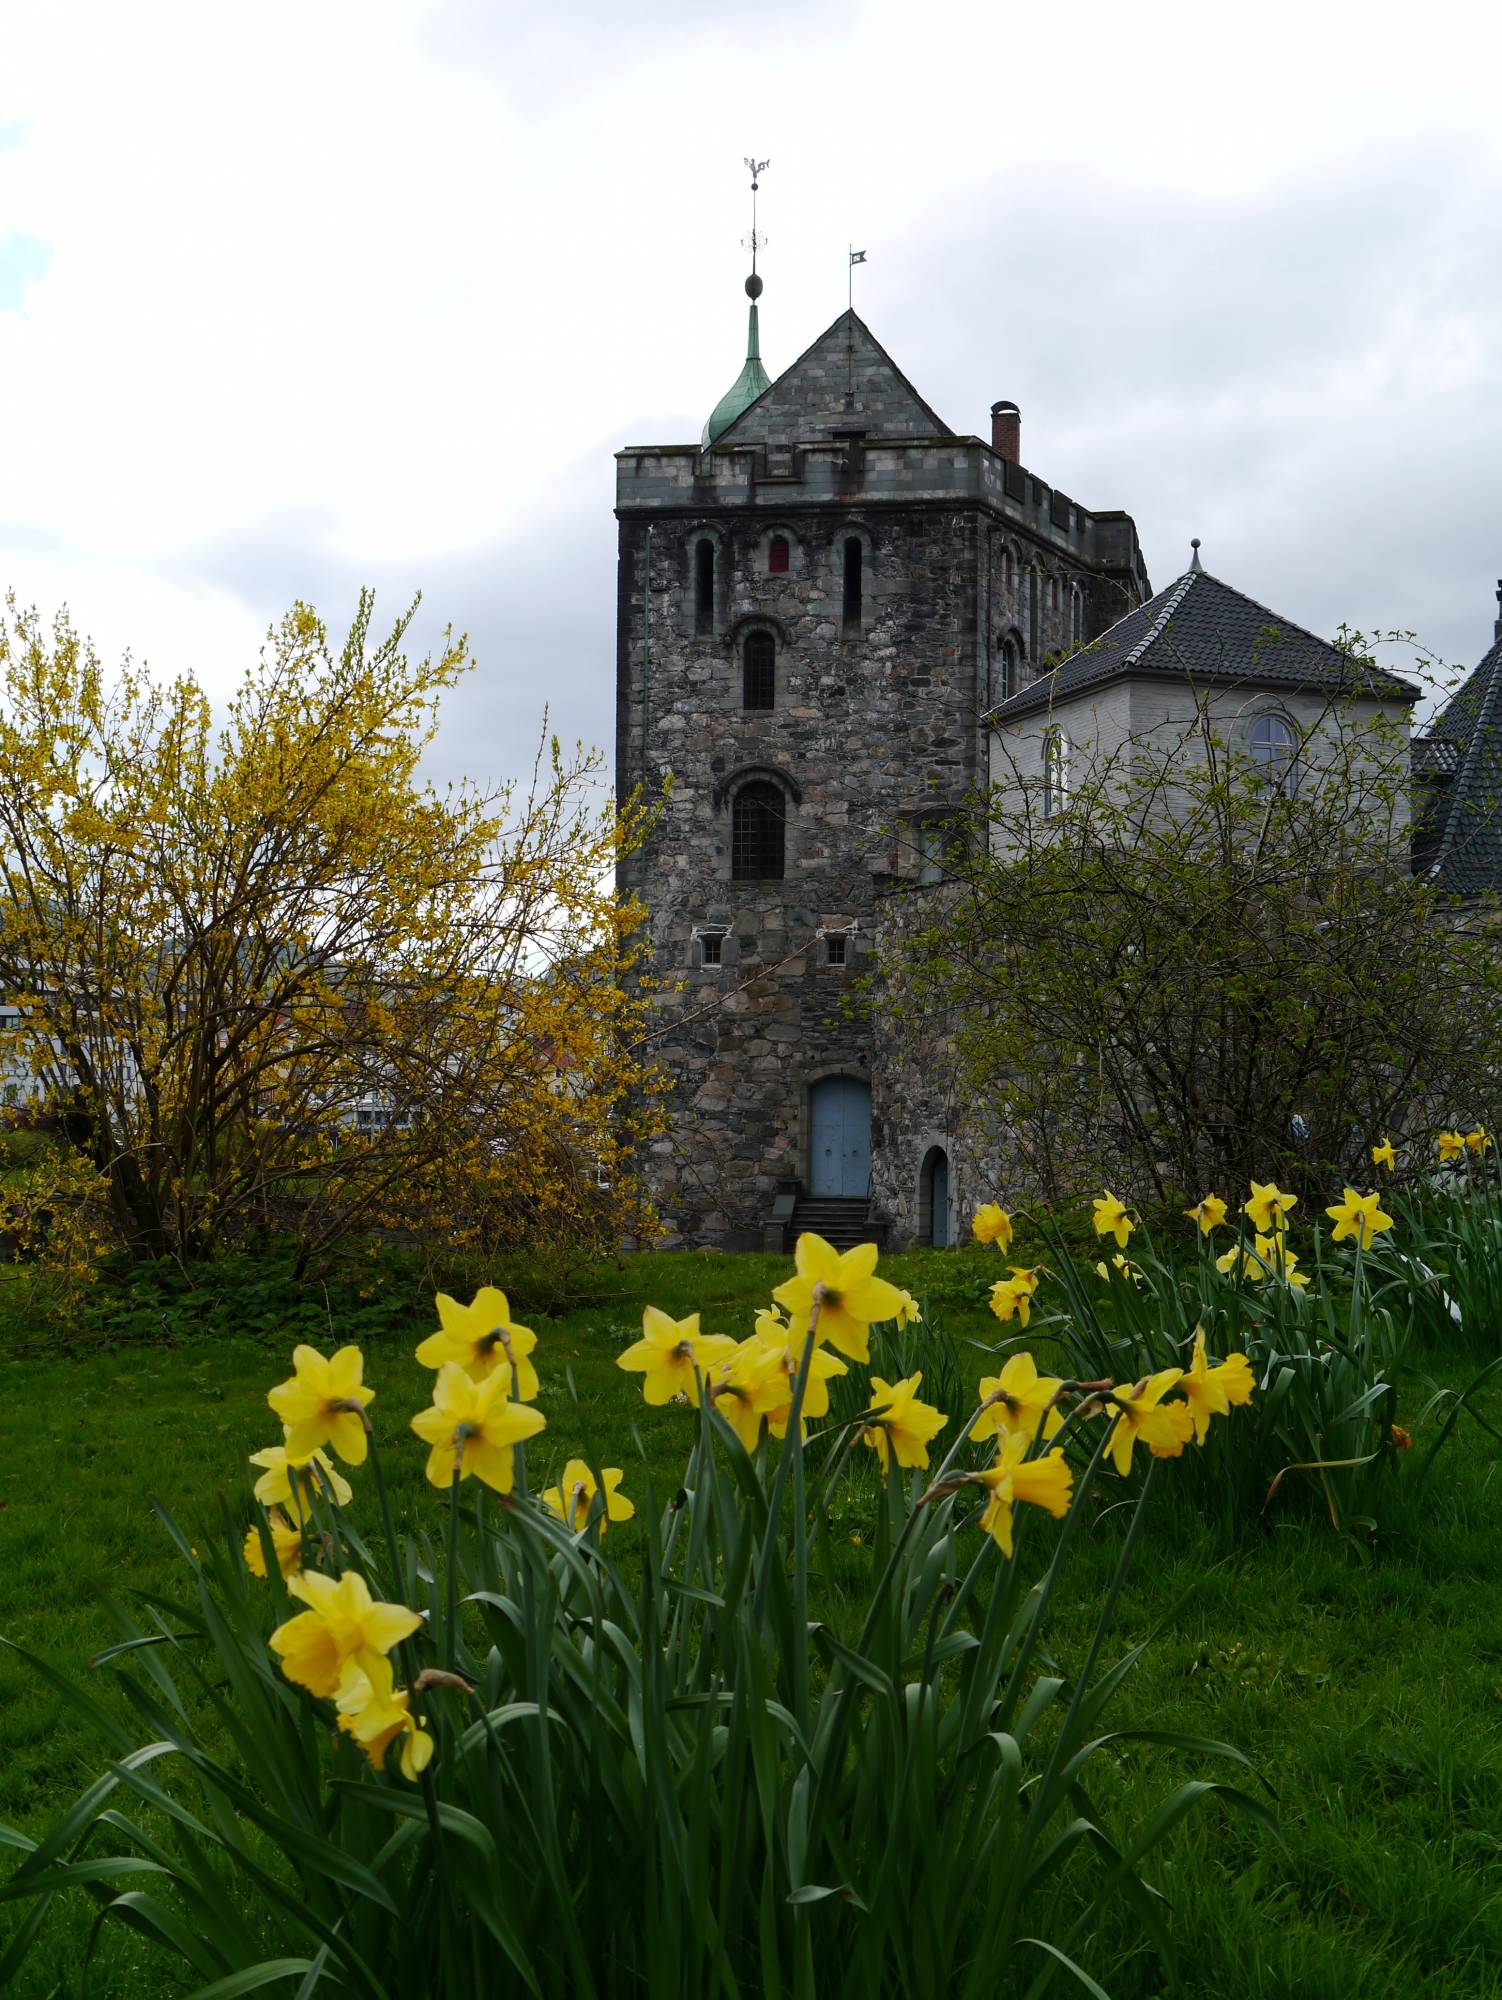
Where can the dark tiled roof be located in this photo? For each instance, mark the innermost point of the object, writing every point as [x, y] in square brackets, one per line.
[1203, 629]
[1458, 838]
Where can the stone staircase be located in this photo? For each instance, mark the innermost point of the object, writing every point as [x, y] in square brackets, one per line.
[844, 1223]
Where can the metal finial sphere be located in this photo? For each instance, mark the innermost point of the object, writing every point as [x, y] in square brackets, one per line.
[1194, 541]
[753, 286]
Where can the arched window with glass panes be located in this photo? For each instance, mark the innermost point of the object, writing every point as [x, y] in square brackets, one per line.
[759, 671]
[1274, 745]
[758, 826]
[1055, 773]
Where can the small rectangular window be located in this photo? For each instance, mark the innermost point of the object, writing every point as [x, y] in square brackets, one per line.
[853, 581]
[709, 947]
[834, 948]
[704, 589]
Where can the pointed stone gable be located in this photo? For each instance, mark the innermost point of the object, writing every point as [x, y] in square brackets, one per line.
[813, 398]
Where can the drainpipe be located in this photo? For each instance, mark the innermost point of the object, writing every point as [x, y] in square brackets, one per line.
[646, 653]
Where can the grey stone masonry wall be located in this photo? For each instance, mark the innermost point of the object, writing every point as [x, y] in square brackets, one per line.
[875, 733]
[845, 380]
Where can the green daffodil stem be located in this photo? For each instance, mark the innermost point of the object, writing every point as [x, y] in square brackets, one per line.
[451, 1614]
[792, 1446]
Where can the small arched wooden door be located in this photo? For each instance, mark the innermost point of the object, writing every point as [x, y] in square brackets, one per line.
[839, 1146]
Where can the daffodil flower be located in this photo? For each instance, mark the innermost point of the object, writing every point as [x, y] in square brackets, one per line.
[1015, 1479]
[903, 1428]
[286, 1541]
[1383, 1155]
[1451, 1146]
[1209, 1212]
[1357, 1215]
[573, 1498]
[672, 1356]
[1268, 1208]
[1210, 1390]
[746, 1388]
[1275, 1259]
[1478, 1142]
[852, 1299]
[992, 1224]
[293, 1482]
[908, 1310]
[343, 1629]
[823, 1366]
[1119, 1267]
[473, 1429]
[1018, 1399]
[1240, 1262]
[1111, 1219]
[375, 1714]
[482, 1338]
[1165, 1428]
[324, 1403]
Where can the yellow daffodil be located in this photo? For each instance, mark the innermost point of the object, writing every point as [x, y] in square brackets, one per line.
[293, 1482]
[1357, 1215]
[1478, 1142]
[473, 1428]
[905, 1428]
[823, 1366]
[574, 1496]
[853, 1299]
[375, 1714]
[1383, 1155]
[1276, 1260]
[483, 1340]
[1210, 1389]
[324, 1403]
[1239, 1262]
[746, 1388]
[1451, 1146]
[992, 1224]
[285, 1540]
[772, 1323]
[1119, 1267]
[1111, 1219]
[1209, 1212]
[342, 1630]
[1165, 1428]
[908, 1310]
[1018, 1399]
[1268, 1208]
[1016, 1479]
[672, 1356]
[1013, 1297]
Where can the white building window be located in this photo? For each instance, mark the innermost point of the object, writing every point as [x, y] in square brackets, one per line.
[1055, 773]
[1274, 745]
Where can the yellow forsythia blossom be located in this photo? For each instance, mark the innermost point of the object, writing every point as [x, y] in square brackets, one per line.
[473, 1428]
[343, 1629]
[1210, 1389]
[293, 1482]
[905, 1428]
[1111, 1219]
[323, 1403]
[1015, 1478]
[672, 1356]
[285, 1540]
[483, 1340]
[375, 1714]
[992, 1224]
[852, 1299]
[1268, 1208]
[1018, 1399]
[1165, 1428]
[1383, 1155]
[1451, 1146]
[1357, 1215]
[1209, 1212]
[574, 1496]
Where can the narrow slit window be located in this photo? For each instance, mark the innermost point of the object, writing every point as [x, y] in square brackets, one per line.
[1008, 673]
[703, 589]
[1055, 774]
[710, 943]
[777, 556]
[834, 948]
[759, 658]
[757, 821]
[853, 584]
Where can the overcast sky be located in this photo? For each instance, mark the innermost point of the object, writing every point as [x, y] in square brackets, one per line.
[296, 297]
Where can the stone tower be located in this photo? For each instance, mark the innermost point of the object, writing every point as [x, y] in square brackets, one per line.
[819, 602]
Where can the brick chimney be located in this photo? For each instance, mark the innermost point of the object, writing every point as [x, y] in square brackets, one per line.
[1006, 431]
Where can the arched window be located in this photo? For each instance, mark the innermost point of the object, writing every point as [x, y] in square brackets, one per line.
[759, 657]
[1076, 615]
[854, 556]
[1055, 773]
[1034, 613]
[1274, 745]
[757, 822]
[1053, 595]
[1008, 670]
[1007, 570]
[703, 589]
[777, 556]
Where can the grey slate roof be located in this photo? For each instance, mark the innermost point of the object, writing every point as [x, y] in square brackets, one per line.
[1202, 629]
[845, 379]
[1458, 837]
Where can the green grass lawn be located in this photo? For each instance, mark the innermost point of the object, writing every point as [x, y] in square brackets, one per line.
[1365, 1686]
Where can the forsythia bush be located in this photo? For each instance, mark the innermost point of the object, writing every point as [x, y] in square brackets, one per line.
[533, 1760]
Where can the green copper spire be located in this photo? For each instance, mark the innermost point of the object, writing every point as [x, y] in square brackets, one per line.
[752, 379]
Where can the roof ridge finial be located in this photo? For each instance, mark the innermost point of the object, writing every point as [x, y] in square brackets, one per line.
[1196, 567]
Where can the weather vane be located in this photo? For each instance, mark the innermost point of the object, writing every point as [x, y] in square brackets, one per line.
[753, 242]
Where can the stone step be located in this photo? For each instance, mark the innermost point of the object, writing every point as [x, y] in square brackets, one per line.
[841, 1222]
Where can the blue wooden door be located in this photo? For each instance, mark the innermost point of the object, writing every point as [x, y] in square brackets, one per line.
[938, 1234]
[840, 1137]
